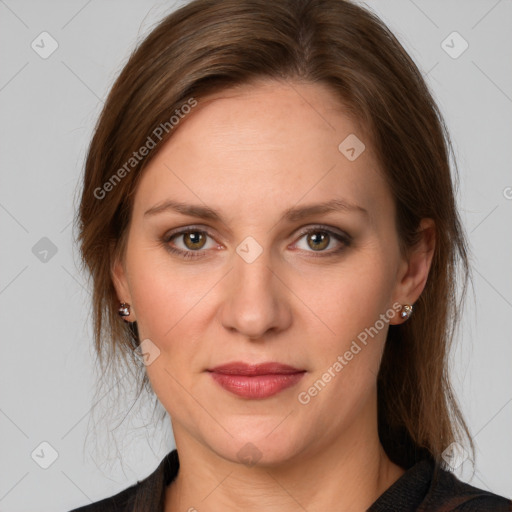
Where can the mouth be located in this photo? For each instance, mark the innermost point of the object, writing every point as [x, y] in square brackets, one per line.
[256, 381]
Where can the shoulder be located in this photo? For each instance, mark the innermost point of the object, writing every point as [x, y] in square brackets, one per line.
[448, 493]
[149, 491]
[427, 487]
[121, 502]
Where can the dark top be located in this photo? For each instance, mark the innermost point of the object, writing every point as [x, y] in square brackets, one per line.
[416, 490]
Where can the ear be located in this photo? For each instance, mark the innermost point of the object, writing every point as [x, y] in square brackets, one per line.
[120, 281]
[414, 269]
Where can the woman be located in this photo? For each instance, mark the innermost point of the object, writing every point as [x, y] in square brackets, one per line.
[269, 220]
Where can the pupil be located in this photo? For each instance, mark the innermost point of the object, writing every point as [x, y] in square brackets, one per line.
[319, 239]
[194, 237]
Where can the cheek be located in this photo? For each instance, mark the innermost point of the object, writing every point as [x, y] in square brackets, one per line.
[347, 360]
[347, 299]
[165, 295]
[350, 301]
[169, 308]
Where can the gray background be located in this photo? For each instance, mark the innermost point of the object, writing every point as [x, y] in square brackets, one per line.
[49, 107]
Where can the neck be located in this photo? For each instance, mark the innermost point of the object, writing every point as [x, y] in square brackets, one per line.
[347, 472]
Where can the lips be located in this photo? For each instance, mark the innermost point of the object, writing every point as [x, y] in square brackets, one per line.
[240, 368]
[256, 381]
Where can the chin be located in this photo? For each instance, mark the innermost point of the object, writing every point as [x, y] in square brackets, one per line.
[255, 447]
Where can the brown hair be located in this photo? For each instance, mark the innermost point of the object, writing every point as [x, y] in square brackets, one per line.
[208, 45]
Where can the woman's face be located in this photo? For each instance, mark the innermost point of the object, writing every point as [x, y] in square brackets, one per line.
[249, 285]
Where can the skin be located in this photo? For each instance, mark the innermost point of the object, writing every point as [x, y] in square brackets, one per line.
[293, 304]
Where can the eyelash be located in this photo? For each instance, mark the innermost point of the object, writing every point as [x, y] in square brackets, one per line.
[346, 240]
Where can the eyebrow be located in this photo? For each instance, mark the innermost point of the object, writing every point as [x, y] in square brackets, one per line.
[292, 214]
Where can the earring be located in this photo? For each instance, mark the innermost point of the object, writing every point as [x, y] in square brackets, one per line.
[124, 310]
[406, 311]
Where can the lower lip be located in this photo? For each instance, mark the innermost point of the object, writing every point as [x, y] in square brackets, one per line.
[256, 386]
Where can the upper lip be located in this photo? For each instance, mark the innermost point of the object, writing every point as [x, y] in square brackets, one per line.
[241, 368]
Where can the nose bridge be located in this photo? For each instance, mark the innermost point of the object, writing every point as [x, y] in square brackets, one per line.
[254, 303]
[252, 271]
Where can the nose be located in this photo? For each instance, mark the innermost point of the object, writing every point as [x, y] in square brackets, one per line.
[256, 300]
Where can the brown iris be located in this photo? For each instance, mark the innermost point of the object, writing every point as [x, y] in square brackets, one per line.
[320, 240]
[194, 239]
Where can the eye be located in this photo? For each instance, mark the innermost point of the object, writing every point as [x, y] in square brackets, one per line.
[193, 243]
[319, 238]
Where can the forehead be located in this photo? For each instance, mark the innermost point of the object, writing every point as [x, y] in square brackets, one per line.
[266, 146]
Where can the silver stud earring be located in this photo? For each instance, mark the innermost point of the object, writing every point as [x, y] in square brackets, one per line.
[406, 311]
[124, 310]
